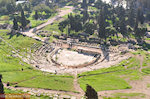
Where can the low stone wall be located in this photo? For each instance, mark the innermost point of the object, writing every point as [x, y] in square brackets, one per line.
[87, 51]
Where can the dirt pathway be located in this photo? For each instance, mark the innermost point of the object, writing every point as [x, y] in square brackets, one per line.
[141, 59]
[77, 87]
[38, 91]
[61, 13]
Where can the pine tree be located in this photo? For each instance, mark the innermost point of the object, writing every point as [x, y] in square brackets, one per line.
[84, 4]
[90, 93]
[131, 15]
[148, 16]
[89, 28]
[19, 7]
[85, 16]
[36, 16]
[10, 8]
[139, 32]
[123, 28]
[26, 7]
[15, 24]
[122, 22]
[23, 20]
[140, 16]
[102, 25]
[91, 1]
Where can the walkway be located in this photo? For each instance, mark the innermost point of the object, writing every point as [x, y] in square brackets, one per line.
[61, 13]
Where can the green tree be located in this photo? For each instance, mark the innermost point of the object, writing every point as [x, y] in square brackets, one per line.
[84, 4]
[89, 28]
[23, 20]
[140, 16]
[102, 25]
[15, 24]
[10, 8]
[36, 16]
[148, 16]
[91, 1]
[7, 6]
[62, 25]
[123, 27]
[27, 7]
[74, 23]
[35, 2]
[90, 93]
[85, 16]
[139, 32]
[131, 14]
[98, 4]
[19, 7]
[122, 22]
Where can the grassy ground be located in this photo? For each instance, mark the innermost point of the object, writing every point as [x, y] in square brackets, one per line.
[114, 77]
[19, 76]
[104, 82]
[53, 27]
[126, 96]
[5, 19]
[8, 60]
[35, 23]
[37, 79]
[50, 82]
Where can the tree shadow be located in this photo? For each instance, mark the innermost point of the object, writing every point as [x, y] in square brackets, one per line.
[145, 46]
[105, 51]
[13, 33]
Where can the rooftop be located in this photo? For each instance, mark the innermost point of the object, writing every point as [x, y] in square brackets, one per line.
[20, 2]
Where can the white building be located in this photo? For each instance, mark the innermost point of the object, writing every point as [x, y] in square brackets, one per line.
[21, 1]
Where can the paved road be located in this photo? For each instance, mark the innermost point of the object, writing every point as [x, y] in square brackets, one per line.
[61, 13]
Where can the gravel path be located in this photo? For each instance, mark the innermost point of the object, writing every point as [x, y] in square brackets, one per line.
[77, 87]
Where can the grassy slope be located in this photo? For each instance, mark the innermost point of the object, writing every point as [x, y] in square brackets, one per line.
[35, 23]
[10, 66]
[7, 61]
[54, 27]
[19, 76]
[113, 77]
[50, 82]
[104, 82]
